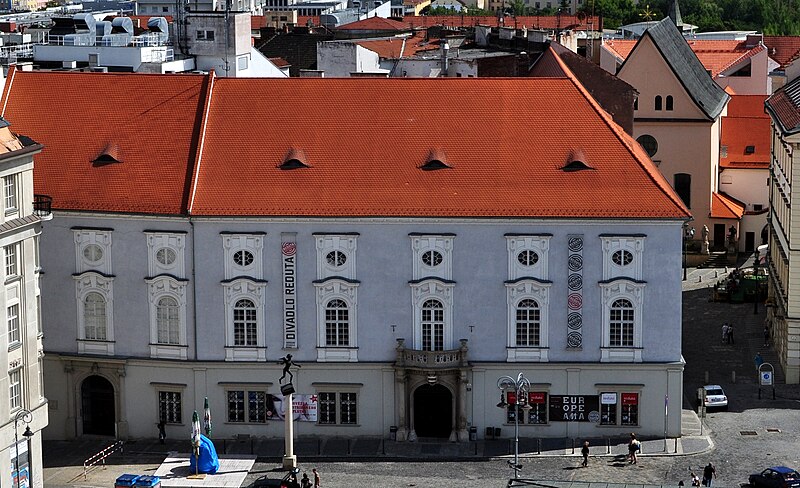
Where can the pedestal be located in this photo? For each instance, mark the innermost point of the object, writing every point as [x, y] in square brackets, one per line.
[289, 459]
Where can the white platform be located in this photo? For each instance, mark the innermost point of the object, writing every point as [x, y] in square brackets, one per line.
[233, 469]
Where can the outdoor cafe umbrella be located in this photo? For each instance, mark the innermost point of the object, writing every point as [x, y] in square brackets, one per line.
[196, 441]
[207, 418]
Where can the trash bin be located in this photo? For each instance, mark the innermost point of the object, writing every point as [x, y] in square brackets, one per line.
[148, 481]
[393, 432]
[126, 480]
[473, 433]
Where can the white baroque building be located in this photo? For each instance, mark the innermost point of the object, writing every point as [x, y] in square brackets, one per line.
[199, 236]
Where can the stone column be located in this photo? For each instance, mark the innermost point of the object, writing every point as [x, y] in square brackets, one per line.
[401, 402]
[289, 459]
[72, 392]
[461, 408]
[122, 424]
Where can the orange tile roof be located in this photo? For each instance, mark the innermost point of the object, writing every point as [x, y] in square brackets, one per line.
[724, 207]
[746, 124]
[747, 106]
[391, 48]
[376, 24]
[149, 119]
[530, 21]
[716, 56]
[279, 62]
[257, 21]
[783, 49]
[377, 173]
[303, 19]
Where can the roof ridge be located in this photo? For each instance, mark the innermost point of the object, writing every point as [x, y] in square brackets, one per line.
[654, 174]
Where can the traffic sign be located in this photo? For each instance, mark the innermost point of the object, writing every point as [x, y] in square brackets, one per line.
[766, 378]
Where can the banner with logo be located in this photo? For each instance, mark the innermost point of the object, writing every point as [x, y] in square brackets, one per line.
[289, 254]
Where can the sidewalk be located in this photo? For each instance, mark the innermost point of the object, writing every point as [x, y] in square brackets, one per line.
[64, 459]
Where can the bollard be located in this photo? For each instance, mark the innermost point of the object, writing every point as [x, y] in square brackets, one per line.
[676, 445]
[759, 393]
[539, 443]
[573, 445]
[733, 376]
[699, 279]
[608, 445]
[716, 274]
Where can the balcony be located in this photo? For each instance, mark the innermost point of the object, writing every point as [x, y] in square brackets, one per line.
[42, 206]
[414, 358]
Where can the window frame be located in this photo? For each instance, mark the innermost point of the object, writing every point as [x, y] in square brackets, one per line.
[10, 194]
[12, 261]
[345, 291]
[15, 390]
[248, 416]
[433, 289]
[254, 291]
[163, 406]
[338, 399]
[85, 284]
[13, 322]
[632, 291]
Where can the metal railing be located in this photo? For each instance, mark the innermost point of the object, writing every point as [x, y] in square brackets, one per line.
[42, 206]
[100, 457]
[434, 359]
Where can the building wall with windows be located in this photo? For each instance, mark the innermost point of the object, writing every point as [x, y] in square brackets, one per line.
[21, 350]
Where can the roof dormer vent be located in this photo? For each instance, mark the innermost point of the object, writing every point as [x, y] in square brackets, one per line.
[109, 155]
[576, 161]
[295, 158]
[436, 159]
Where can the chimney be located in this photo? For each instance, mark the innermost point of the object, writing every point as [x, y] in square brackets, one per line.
[753, 40]
[445, 52]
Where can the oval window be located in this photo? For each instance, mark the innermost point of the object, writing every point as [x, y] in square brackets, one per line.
[622, 257]
[93, 253]
[527, 258]
[243, 258]
[432, 258]
[649, 144]
[165, 256]
[336, 258]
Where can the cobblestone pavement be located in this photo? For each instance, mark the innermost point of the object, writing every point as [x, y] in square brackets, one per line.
[754, 433]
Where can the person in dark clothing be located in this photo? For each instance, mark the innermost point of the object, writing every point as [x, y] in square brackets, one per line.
[709, 473]
[162, 431]
[585, 453]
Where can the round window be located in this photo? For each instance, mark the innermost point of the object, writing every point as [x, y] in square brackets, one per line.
[165, 256]
[243, 258]
[432, 258]
[527, 258]
[336, 258]
[622, 257]
[93, 253]
[649, 144]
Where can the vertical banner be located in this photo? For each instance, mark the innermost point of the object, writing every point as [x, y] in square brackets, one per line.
[289, 255]
[575, 293]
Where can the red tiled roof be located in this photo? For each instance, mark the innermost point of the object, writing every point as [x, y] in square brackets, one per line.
[746, 125]
[493, 173]
[783, 49]
[747, 106]
[547, 22]
[724, 207]
[392, 48]
[376, 24]
[303, 19]
[257, 22]
[279, 62]
[149, 118]
[716, 56]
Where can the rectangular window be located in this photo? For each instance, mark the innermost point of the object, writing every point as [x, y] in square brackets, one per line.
[536, 414]
[337, 408]
[253, 410]
[169, 406]
[205, 35]
[608, 408]
[630, 409]
[10, 192]
[12, 313]
[11, 261]
[242, 62]
[15, 389]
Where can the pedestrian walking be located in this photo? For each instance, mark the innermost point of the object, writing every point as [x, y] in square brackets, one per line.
[316, 478]
[162, 431]
[725, 333]
[633, 447]
[766, 336]
[585, 453]
[305, 482]
[695, 480]
[709, 473]
[730, 335]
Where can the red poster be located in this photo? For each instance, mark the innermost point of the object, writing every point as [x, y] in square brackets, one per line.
[536, 397]
[630, 398]
[512, 398]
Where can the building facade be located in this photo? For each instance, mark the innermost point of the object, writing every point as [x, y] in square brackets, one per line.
[405, 277]
[24, 405]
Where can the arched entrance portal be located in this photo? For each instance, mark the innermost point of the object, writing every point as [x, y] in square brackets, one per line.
[97, 402]
[433, 411]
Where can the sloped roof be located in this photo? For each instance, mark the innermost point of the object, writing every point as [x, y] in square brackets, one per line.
[784, 105]
[715, 55]
[746, 132]
[376, 24]
[708, 96]
[378, 173]
[725, 207]
[393, 48]
[547, 22]
[546, 66]
[150, 119]
[783, 49]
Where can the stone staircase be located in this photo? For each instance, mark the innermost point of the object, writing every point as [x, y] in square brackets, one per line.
[717, 259]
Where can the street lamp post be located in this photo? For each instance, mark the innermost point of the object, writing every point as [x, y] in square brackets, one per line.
[521, 386]
[24, 416]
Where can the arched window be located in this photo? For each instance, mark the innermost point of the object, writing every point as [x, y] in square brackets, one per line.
[683, 187]
[621, 323]
[244, 323]
[432, 326]
[337, 323]
[168, 321]
[94, 317]
[528, 322]
[669, 102]
[658, 102]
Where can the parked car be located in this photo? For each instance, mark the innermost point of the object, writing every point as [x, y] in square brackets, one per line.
[275, 482]
[776, 477]
[715, 397]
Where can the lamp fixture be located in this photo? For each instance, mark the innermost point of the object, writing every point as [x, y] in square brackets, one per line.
[502, 403]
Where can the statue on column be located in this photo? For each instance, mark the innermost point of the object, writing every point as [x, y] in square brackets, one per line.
[704, 248]
[287, 363]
